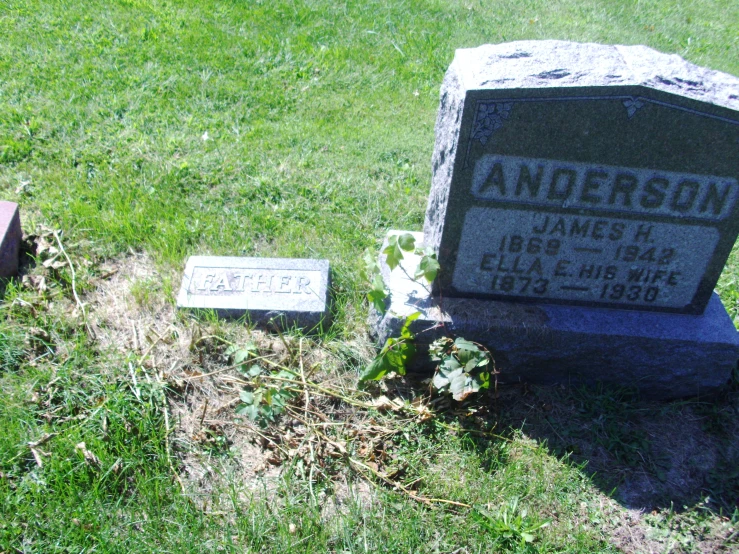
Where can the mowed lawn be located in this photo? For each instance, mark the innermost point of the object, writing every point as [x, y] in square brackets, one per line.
[156, 130]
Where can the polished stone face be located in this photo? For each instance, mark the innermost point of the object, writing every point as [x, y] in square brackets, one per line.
[294, 290]
[584, 174]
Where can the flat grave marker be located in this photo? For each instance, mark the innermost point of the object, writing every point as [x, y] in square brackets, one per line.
[285, 290]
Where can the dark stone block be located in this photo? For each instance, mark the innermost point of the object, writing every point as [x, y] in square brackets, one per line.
[10, 230]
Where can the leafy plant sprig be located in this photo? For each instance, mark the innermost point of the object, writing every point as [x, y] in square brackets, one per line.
[395, 354]
[263, 401]
[428, 266]
[463, 367]
[396, 244]
[377, 292]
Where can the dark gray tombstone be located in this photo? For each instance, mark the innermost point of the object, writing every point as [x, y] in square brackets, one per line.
[10, 231]
[590, 175]
[593, 191]
[284, 291]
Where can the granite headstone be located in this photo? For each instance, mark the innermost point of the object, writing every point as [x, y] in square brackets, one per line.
[584, 174]
[283, 291]
[583, 204]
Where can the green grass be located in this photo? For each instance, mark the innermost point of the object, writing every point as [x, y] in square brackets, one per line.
[281, 128]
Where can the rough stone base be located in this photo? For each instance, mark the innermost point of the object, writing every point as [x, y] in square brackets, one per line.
[663, 355]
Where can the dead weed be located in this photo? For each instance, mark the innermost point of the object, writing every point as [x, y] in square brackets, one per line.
[316, 436]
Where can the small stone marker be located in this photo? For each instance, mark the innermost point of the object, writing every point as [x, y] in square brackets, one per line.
[283, 290]
[10, 230]
[584, 201]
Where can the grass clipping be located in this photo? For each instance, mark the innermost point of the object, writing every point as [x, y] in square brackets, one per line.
[307, 416]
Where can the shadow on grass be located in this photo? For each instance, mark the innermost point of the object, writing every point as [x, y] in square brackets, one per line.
[645, 454]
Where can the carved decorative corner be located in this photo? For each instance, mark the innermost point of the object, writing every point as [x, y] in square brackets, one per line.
[489, 118]
[633, 105]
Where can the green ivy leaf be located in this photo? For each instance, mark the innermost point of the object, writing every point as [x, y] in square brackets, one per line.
[377, 298]
[254, 371]
[439, 347]
[471, 387]
[399, 355]
[379, 367]
[465, 349]
[458, 384]
[440, 381]
[241, 354]
[407, 242]
[279, 401]
[484, 377]
[458, 370]
[395, 354]
[246, 397]
[370, 263]
[249, 410]
[470, 354]
[450, 364]
[263, 404]
[405, 330]
[393, 253]
[428, 268]
[378, 294]
[265, 414]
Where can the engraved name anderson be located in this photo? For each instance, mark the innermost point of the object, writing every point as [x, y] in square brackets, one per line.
[579, 185]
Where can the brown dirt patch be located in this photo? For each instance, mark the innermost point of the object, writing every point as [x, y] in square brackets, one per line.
[132, 314]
